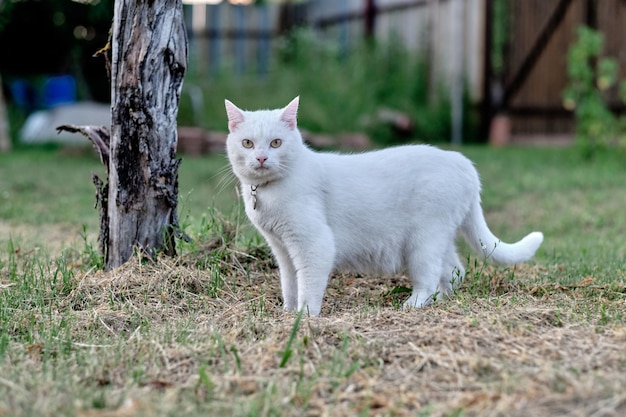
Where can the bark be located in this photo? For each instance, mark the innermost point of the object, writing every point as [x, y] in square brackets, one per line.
[100, 138]
[138, 205]
[5, 140]
[149, 59]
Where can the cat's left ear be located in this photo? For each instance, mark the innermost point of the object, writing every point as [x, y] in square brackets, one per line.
[290, 113]
[235, 116]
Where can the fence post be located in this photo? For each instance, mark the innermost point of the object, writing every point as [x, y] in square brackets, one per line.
[591, 18]
[263, 46]
[370, 19]
[240, 45]
[487, 105]
[215, 40]
[432, 48]
[456, 82]
[344, 41]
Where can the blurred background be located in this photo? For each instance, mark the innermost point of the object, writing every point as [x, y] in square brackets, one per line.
[369, 72]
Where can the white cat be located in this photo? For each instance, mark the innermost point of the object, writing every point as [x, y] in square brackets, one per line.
[378, 212]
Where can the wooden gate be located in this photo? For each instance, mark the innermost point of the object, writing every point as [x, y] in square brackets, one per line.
[539, 34]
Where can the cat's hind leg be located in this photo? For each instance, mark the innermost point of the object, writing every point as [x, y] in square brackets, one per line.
[452, 273]
[425, 267]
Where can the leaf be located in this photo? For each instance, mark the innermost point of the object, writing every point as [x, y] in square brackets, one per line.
[398, 290]
[585, 282]
[286, 354]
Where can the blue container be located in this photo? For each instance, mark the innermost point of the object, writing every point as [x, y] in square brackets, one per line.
[58, 90]
[23, 94]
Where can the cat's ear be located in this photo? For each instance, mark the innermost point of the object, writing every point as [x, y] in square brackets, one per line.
[235, 116]
[290, 113]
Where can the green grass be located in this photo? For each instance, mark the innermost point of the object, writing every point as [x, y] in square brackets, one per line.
[576, 204]
[204, 333]
[42, 186]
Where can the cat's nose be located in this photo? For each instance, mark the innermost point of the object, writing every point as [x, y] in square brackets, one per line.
[261, 159]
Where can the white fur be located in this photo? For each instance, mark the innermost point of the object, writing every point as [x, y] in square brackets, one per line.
[379, 212]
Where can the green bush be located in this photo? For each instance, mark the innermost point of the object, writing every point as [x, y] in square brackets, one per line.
[591, 76]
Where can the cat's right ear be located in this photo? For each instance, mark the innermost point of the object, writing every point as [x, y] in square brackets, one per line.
[235, 116]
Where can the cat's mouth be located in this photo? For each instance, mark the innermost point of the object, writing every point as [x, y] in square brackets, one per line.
[259, 171]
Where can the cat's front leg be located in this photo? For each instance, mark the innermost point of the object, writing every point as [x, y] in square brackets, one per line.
[288, 284]
[314, 263]
[312, 284]
[288, 278]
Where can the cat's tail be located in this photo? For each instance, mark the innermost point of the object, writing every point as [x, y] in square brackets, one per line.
[483, 241]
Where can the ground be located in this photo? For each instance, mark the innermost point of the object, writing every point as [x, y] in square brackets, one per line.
[204, 333]
[152, 338]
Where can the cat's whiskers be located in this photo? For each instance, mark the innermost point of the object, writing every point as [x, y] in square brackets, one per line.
[227, 178]
[226, 182]
[282, 169]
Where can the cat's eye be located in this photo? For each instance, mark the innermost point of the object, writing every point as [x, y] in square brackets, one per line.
[276, 143]
[247, 143]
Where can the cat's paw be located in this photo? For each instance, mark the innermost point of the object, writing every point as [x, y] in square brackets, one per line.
[310, 310]
[418, 301]
[291, 307]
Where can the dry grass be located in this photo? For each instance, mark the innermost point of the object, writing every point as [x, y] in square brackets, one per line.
[173, 338]
[205, 334]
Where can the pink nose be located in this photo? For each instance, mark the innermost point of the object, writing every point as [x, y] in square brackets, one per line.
[261, 159]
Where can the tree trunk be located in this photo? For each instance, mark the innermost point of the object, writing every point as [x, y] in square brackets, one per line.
[148, 65]
[149, 58]
[148, 62]
[5, 140]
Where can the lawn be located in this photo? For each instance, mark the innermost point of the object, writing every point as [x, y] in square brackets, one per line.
[204, 333]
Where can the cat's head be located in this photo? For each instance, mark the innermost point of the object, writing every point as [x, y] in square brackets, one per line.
[262, 144]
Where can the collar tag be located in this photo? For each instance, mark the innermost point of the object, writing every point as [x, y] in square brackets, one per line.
[253, 194]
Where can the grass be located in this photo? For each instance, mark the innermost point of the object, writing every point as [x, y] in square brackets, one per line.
[204, 333]
[52, 188]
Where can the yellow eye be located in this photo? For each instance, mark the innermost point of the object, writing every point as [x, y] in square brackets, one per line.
[247, 143]
[276, 143]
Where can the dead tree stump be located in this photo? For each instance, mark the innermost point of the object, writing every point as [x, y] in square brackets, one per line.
[5, 140]
[138, 205]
